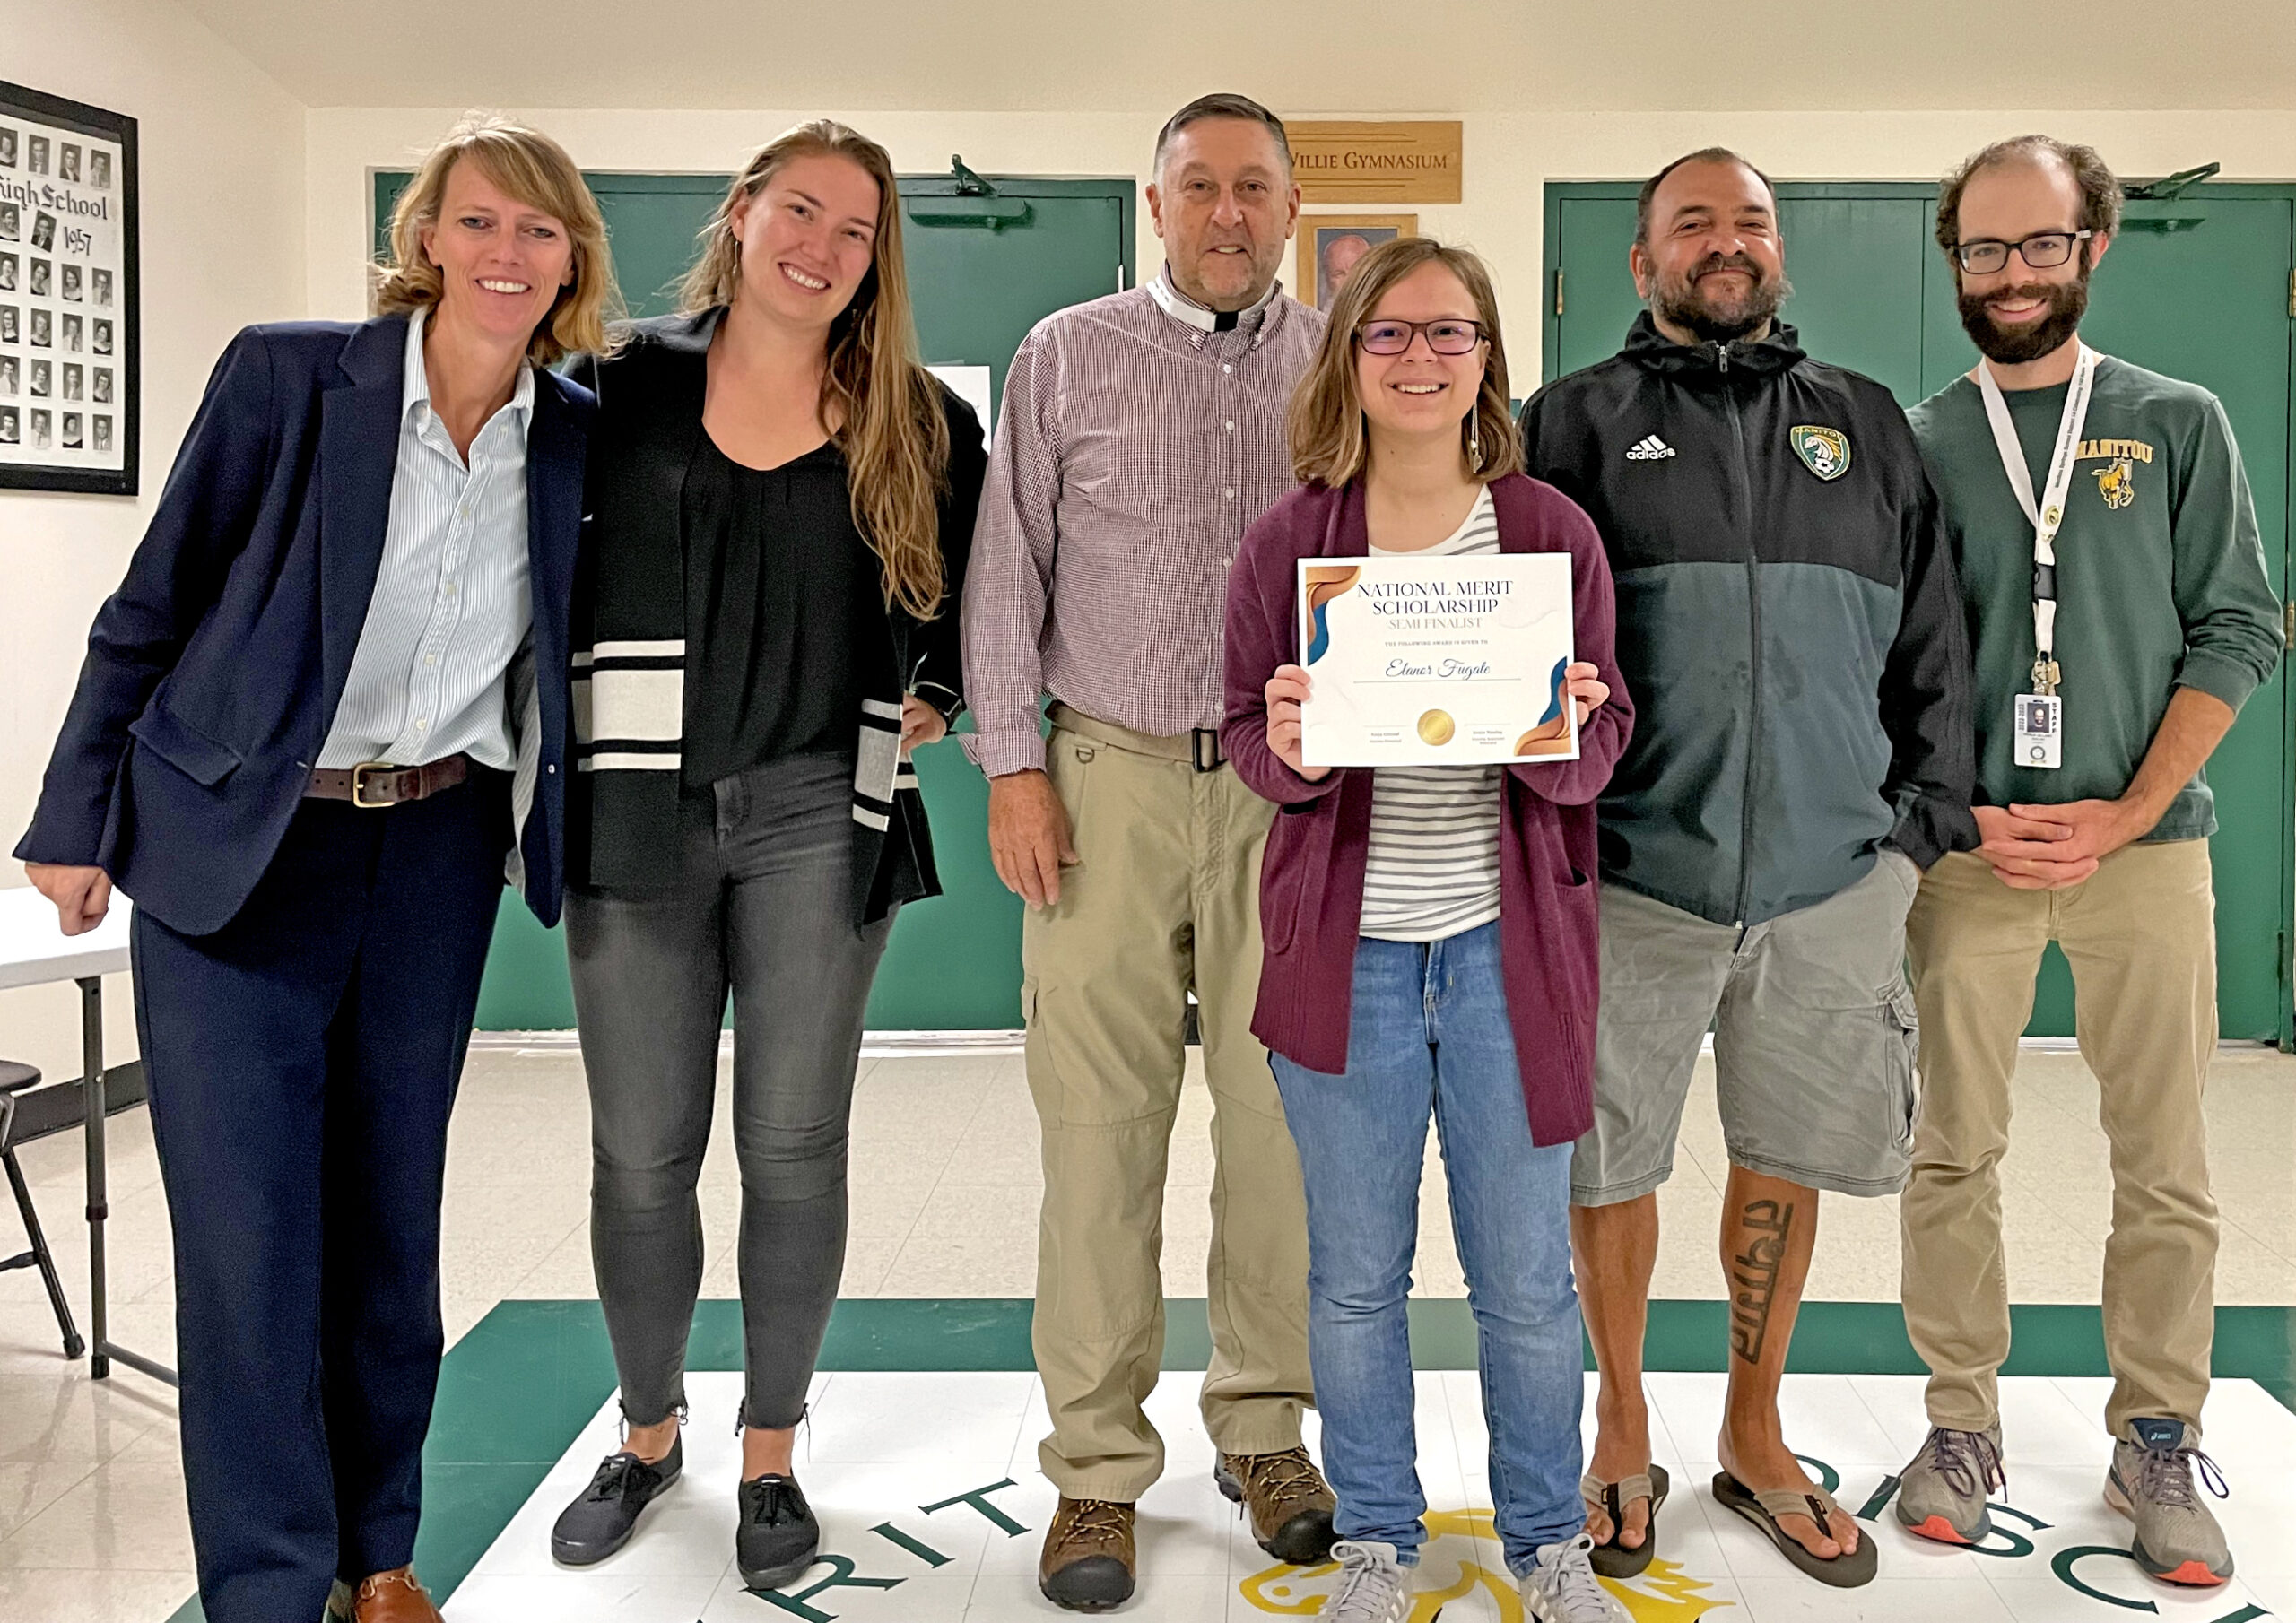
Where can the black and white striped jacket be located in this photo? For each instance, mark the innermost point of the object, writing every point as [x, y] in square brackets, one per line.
[629, 642]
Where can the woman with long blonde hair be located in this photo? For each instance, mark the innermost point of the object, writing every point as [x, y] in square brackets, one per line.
[780, 502]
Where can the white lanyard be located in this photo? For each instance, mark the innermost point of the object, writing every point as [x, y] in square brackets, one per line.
[2048, 514]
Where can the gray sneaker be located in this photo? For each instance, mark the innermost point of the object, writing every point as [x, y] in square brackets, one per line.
[1374, 1587]
[1941, 1494]
[1561, 1587]
[2178, 1539]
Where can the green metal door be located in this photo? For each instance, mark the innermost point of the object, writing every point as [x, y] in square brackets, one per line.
[982, 270]
[955, 962]
[2198, 288]
[1861, 254]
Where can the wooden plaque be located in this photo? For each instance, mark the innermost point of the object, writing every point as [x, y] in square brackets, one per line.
[1413, 162]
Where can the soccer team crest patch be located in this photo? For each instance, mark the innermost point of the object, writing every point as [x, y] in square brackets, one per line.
[1825, 452]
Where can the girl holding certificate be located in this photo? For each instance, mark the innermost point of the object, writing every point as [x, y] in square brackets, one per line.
[1430, 938]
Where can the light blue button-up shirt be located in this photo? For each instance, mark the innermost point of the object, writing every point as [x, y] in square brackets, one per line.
[453, 602]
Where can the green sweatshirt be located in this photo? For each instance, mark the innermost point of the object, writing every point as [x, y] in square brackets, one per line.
[2161, 577]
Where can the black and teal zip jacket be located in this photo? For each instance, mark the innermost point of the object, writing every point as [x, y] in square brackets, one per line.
[1789, 621]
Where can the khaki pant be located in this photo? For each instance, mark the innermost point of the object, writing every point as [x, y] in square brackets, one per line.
[2140, 936]
[1165, 900]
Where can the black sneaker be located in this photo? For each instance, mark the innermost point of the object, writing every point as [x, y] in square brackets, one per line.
[778, 1536]
[601, 1520]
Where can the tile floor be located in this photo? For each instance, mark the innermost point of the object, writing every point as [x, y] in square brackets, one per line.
[869, 1479]
[944, 1177]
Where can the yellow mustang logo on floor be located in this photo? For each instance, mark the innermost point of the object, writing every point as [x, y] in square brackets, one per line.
[2116, 482]
[1670, 1596]
[1663, 1594]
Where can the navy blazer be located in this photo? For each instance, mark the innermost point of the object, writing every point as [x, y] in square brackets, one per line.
[213, 672]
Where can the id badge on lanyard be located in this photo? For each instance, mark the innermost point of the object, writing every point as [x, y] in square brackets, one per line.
[2040, 730]
[2038, 723]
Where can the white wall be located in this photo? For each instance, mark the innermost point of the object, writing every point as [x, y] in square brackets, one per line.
[222, 195]
[1369, 55]
[1509, 159]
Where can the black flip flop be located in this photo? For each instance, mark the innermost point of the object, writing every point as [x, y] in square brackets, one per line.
[1763, 1509]
[1614, 1559]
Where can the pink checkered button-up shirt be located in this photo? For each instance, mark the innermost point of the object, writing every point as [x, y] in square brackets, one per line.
[1136, 445]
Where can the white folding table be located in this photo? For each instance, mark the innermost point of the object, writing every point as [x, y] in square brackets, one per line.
[33, 952]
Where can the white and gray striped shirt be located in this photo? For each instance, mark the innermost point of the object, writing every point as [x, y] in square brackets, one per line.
[1433, 868]
[453, 602]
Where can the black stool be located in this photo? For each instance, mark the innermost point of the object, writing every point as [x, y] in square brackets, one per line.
[15, 1079]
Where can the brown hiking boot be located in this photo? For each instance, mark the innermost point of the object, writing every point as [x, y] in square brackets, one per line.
[1088, 1563]
[1290, 1503]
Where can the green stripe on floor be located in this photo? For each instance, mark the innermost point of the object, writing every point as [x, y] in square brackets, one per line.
[517, 1389]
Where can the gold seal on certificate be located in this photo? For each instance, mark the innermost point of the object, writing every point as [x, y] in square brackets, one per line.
[1447, 660]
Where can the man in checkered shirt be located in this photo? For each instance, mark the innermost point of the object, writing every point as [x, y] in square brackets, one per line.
[1141, 435]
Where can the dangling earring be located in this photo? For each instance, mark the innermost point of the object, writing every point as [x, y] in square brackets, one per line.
[1474, 438]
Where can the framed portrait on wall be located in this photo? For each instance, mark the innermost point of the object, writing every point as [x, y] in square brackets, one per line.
[71, 340]
[1331, 244]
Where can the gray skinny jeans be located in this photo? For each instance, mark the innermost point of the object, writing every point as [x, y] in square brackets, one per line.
[762, 905]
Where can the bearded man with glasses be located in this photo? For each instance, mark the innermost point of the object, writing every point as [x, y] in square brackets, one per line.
[1790, 632]
[2117, 591]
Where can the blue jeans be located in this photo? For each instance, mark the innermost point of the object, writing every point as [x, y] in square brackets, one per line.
[1430, 1033]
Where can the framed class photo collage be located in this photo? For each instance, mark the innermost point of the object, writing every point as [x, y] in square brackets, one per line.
[69, 336]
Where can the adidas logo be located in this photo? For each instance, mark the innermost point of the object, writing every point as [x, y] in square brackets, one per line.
[1649, 448]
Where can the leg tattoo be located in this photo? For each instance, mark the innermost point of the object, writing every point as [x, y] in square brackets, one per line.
[1754, 1274]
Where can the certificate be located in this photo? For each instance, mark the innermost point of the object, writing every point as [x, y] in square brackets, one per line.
[1444, 661]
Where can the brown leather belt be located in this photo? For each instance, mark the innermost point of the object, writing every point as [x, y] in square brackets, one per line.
[373, 784]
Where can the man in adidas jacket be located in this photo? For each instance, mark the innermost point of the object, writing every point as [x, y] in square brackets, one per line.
[1789, 625]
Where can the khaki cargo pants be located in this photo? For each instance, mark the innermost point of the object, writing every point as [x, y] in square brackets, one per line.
[1166, 901]
[2140, 936]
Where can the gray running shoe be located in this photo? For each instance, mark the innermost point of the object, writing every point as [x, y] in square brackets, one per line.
[1941, 1494]
[1561, 1587]
[2178, 1539]
[1374, 1587]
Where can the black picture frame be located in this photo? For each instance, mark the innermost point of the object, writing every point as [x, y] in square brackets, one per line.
[55, 119]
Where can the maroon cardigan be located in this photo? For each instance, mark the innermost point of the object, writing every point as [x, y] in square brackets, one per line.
[1311, 882]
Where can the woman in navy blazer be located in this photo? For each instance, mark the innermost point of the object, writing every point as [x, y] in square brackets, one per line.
[321, 719]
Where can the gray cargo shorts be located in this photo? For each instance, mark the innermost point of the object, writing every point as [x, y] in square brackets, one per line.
[1813, 1040]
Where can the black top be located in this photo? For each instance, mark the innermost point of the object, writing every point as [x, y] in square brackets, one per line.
[783, 612]
[622, 817]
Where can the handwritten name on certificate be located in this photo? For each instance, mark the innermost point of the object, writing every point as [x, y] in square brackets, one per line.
[1443, 661]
